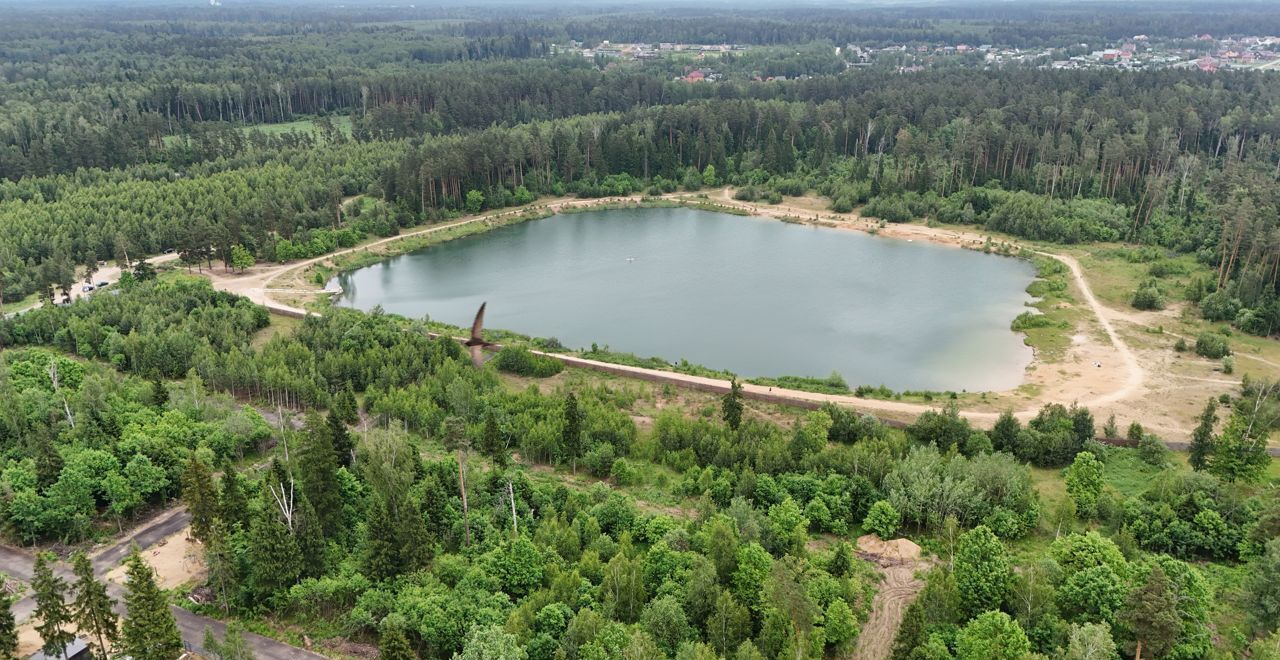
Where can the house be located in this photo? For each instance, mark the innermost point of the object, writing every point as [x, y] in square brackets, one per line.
[1207, 64]
[76, 650]
[695, 76]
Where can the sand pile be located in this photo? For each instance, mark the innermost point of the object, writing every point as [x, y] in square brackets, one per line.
[897, 549]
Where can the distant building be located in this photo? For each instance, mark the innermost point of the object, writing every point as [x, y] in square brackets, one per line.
[1207, 64]
[695, 76]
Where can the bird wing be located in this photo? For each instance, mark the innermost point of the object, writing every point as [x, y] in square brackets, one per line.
[477, 355]
[477, 326]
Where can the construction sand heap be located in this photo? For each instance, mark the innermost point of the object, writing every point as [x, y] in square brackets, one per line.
[899, 549]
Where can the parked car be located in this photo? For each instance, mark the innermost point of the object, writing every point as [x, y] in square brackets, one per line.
[87, 288]
[103, 284]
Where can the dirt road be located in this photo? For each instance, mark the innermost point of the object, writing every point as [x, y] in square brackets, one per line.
[898, 561]
[19, 564]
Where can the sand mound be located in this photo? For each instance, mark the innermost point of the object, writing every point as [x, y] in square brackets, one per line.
[899, 549]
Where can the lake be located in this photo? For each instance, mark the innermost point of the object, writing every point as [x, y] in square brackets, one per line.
[750, 295]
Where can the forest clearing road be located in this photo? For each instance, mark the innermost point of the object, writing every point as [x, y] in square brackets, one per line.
[1135, 373]
[19, 564]
[899, 561]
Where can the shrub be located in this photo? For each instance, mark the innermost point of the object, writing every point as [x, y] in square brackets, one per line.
[892, 209]
[1228, 365]
[522, 362]
[1212, 346]
[624, 473]
[1180, 346]
[1148, 297]
[882, 520]
[1164, 268]
[1153, 451]
[1219, 306]
[1029, 320]
[842, 205]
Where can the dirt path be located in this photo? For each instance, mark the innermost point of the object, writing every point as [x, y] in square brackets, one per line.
[1134, 371]
[899, 561]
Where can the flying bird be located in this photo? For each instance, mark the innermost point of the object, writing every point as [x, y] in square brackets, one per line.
[476, 344]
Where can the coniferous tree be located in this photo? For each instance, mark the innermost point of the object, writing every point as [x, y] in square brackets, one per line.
[159, 393]
[51, 611]
[1152, 613]
[571, 433]
[200, 496]
[275, 561]
[393, 644]
[223, 574]
[731, 405]
[233, 502]
[318, 471]
[48, 460]
[8, 628]
[344, 445]
[149, 632]
[381, 549]
[310, 537]
[1202, 437]
[92, 608]
[344, 405]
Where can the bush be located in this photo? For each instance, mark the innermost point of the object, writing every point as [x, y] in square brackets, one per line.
[1164, 268]
[842, 205]
[522, 362]
[1148, 297]
[892, 209]
[1228, 365]
[882, 520]
[1153, 451]
[1219, 306]
[1029, 320]
[624, 473]
[1212, 346]
[1180, 346]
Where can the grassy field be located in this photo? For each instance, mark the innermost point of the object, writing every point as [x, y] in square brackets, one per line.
[282, 325]
[340, 122]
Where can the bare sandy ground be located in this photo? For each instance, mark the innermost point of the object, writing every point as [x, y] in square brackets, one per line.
[1101, 369]
[177, 560]
[899, 560]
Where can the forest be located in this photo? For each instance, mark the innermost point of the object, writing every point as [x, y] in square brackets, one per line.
[354, 482]
[408, 510]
